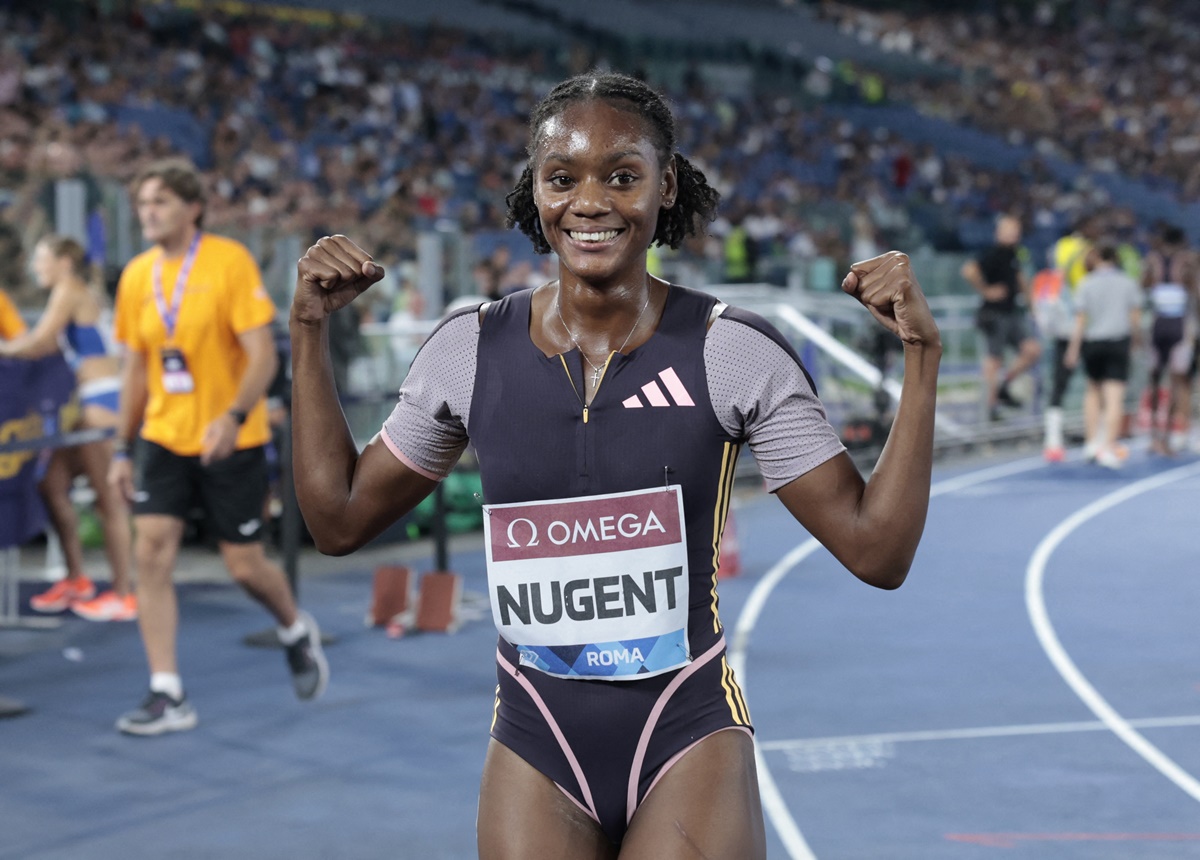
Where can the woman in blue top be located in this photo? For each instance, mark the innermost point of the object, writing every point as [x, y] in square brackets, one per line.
[75, 322]
[607, 408]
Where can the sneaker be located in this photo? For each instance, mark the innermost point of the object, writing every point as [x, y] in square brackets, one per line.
[109, 606]
[159, 713]
[62, 594]
[1110, 459]
[1004, 398]
[306, 660]
[1054, 455]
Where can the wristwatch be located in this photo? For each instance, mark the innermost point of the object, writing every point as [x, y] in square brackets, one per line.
[239, 417]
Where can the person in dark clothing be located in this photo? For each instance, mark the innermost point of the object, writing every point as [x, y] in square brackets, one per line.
[997, 276]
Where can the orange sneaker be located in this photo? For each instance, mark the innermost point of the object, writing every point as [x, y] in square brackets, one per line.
[109, 606]
[62, 594]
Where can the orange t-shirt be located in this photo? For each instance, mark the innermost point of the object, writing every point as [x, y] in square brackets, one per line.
[11, 324]
[223, 297]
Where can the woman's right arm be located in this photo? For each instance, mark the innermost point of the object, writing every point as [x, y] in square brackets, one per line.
[43, 339]
[347, 498]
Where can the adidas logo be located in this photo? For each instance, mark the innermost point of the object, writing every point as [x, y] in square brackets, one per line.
[654, 394]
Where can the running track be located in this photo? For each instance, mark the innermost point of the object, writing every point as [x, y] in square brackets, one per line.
[1033, 691]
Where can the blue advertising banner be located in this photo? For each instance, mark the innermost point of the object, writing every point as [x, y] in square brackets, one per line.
[37, 400]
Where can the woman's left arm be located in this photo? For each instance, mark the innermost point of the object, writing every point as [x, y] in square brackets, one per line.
[873, 527]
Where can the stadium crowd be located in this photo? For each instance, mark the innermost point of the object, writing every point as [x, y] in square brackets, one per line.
[1111, 86]
[303, 127]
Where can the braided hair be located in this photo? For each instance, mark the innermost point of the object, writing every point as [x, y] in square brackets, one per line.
[695, 201]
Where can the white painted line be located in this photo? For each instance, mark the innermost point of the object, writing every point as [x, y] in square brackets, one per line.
[981, 732]
[1035, 603]
[773, 804]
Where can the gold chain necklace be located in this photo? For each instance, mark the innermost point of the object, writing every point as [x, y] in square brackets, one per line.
[597, 370]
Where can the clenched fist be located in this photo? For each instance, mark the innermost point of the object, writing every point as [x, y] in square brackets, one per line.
[887, 287]
[329, 276]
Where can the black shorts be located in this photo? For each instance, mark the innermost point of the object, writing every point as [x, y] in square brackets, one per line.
[231, 491]
[606, 743]
[1002, 329]
[1166, 335]
[1106, 360]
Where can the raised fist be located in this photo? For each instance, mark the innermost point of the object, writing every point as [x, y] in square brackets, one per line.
[329, 276]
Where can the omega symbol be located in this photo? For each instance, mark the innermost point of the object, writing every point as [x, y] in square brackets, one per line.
[513, 543]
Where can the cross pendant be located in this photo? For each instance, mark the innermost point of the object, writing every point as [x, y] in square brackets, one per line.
[596, 377]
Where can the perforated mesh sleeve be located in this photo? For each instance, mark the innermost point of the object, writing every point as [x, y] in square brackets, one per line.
[428, 428]
[762, 395]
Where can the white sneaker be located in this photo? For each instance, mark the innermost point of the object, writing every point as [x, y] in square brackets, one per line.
[159, 713]
[1109, 459]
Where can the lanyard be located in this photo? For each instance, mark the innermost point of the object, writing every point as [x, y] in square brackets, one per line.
[170, 316]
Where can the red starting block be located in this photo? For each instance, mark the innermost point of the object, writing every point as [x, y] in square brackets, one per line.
[393, 598]
[438, 602]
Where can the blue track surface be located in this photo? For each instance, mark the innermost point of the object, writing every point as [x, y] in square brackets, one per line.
[923, 723]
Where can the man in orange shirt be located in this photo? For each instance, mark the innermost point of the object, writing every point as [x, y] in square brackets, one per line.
[195, 321]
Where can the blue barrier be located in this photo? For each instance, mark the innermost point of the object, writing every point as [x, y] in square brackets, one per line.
[37, 399]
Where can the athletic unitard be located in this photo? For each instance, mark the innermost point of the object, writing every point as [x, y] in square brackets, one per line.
[88, 341]
[1174, 308]
[675, 410]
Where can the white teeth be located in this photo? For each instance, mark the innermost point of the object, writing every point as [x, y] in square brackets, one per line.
[593, 237]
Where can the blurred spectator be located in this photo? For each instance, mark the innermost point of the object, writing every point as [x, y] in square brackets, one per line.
[1071, 257]
[1172, 280]
[491, 273]
[1107, 324]
[998, 277]
[76, 319]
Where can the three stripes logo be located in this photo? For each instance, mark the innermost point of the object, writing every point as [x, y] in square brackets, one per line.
[656, 397]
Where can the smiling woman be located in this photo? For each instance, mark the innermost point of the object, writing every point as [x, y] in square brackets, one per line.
[608, 396]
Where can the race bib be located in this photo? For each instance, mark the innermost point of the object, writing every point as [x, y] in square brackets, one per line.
[592, 587]
[176, 378]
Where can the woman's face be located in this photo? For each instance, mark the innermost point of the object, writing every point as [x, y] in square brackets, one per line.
[598, 187]
[47, 268]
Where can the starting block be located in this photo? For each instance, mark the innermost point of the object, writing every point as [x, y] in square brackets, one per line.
[393, 597]
[438, 602]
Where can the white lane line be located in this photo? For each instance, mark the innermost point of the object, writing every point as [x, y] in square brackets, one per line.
[774, 805]
[1035, 603]
[981, 732]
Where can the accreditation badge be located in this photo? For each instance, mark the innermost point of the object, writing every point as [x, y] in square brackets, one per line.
[594, 586]
[176, 378]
